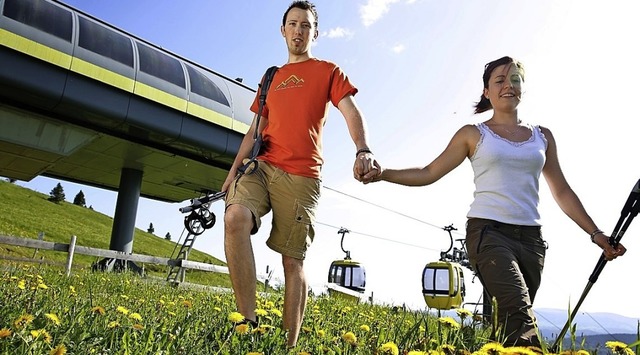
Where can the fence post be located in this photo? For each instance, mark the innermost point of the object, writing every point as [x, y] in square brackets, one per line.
[72, 249]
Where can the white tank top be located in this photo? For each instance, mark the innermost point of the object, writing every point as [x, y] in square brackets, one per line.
[506, 175]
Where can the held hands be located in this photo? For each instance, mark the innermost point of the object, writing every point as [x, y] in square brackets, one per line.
[609, 251]
[366, 168]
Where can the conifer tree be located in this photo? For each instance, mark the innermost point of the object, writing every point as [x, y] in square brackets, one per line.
[57, 194]
[79, 199]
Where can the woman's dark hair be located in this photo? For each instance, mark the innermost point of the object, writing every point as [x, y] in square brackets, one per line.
[484, 104]
[304, 5]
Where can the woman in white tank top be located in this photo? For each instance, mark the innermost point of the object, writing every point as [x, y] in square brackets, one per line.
[504, 242]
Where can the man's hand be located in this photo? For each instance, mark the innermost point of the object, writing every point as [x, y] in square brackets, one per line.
[366, 168]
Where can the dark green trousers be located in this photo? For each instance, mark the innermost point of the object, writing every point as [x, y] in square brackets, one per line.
[508, 260]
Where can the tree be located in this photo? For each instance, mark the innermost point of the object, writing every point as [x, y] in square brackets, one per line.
[167, 236]
[57, 194]
[150, 229]
[79, 199]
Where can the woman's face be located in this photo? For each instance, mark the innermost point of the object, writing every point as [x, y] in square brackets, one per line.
[505, 88]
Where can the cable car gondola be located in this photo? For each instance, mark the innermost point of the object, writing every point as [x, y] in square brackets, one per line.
[443, 281]
[347, 278]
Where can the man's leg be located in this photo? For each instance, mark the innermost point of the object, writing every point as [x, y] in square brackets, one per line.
[238, 222]
[295, 297]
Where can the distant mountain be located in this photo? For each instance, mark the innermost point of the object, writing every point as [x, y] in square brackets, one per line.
[551, 322]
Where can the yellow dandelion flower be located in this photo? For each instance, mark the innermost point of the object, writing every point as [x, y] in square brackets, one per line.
[52, 317]
[187, 304]
[416, 352]
[275, 312]
[449, 322]
[492, 348]
[269, 304]
[22, 284]
[615, 345]
[23, 320]
[389, 348]
[519, 350]
[59, 350]
[4, 333]
[138, 326]
[463, 313]
[365, 328]
[261, 312]
[113, 324]
[346, 310]
[136, 316]
[122, 310]
[98, 309]
[235, 317]
[41, 333]
[448, 348]
[619, 348]
[582, 352]
[320, 333]
[350, 338]
[242, 328]
[259, 330]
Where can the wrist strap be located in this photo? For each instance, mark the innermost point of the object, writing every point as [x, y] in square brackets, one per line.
[363, 150]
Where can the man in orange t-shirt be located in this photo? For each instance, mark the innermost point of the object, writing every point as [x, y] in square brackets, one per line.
[287, 178]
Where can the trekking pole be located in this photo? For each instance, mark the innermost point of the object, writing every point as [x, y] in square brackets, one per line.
[629, 211]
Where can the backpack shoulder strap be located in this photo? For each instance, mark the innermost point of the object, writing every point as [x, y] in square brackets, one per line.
[266, 83]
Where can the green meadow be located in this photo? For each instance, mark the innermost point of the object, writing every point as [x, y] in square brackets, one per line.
[46, 312]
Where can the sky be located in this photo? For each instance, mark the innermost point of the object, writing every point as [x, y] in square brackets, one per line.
[418, 66]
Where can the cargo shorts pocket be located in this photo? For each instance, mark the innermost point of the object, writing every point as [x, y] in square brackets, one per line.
[302, 229]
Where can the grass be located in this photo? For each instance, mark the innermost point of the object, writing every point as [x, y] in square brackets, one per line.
[25, 213]
[45, 312]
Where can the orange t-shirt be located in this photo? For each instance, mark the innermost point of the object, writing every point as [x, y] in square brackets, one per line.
[296, 110]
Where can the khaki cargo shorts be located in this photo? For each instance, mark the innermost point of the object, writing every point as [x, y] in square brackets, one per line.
[293, 199]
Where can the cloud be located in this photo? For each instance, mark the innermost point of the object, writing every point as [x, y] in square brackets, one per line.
[399, 48]
[373, 10]
[338, 32]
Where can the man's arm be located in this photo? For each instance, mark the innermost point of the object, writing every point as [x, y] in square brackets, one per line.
[365, 167]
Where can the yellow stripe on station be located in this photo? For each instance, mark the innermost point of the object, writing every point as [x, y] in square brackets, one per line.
[34, 49]
[209, 115]
[240, 126]
[106, 76]
[160, 96]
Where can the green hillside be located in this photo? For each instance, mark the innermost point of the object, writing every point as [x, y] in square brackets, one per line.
[25, 213]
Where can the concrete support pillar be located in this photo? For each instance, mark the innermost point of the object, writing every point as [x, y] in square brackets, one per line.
[124, 218]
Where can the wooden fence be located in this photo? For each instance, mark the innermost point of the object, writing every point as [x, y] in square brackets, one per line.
[72, 249]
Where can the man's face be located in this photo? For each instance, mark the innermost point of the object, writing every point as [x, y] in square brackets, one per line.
[299, 31]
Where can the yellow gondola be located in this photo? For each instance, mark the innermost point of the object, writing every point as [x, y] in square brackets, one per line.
[443, 285]
[443, 281]
[347, 278]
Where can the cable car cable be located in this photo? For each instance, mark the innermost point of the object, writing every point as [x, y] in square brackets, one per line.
[382, 207]
[376, 237]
